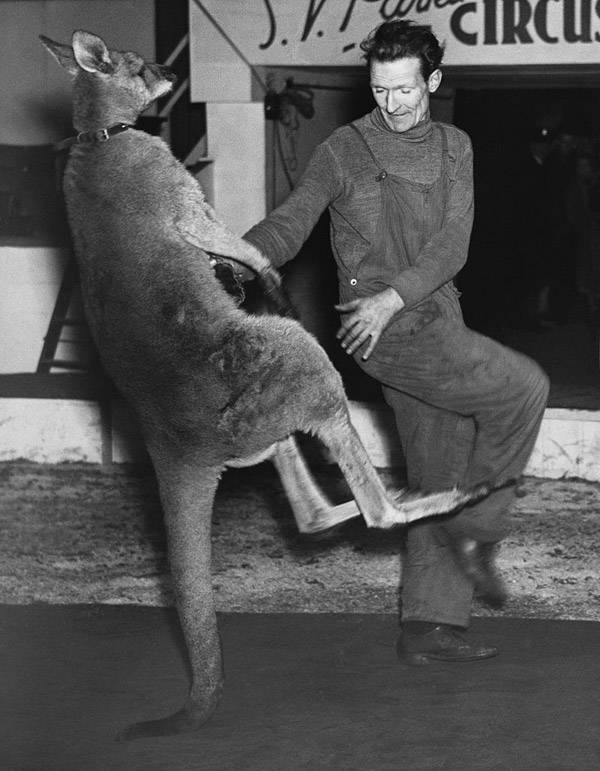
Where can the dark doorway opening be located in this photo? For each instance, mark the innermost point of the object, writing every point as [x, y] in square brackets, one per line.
[532, 280]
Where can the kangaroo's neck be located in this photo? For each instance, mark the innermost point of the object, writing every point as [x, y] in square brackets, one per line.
[95, 108]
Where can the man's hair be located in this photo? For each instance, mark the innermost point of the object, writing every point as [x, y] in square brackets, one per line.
[401, 38]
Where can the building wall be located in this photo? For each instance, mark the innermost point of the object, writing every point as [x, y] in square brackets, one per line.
[29, 281]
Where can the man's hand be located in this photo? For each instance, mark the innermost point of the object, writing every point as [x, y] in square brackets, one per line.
[242, 273]
[367, 317]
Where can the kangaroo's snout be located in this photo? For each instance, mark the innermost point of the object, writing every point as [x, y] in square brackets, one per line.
[164, 73]
[167, 73]
[159, 80]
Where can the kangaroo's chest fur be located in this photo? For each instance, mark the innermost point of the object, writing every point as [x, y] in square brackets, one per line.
[126, 200]
[156, 311]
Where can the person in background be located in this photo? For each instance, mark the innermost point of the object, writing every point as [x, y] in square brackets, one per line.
[532, 209]
[399, 191]
[581, 212]
[560, 170]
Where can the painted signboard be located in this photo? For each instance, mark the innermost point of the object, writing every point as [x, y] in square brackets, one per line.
[328, 32]
[227, 36]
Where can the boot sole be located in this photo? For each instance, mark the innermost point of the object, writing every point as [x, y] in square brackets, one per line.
[423, 659]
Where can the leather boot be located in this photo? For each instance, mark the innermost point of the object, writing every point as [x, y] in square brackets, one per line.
[478, 560]
[441, 643]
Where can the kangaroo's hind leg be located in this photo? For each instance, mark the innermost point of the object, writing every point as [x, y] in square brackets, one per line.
[312, 511]
[378, 507]
[187, 493]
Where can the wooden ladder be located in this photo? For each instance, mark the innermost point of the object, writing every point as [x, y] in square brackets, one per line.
[59, 321]
[90, 369]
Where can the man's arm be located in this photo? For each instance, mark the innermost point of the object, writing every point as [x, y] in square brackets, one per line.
[444, 255]
[283, 232]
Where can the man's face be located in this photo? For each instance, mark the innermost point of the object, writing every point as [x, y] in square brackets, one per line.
[401, 92]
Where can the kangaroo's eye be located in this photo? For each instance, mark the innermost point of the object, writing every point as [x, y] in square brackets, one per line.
[142, 71]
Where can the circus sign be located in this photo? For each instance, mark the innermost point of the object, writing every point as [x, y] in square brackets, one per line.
[328, 32]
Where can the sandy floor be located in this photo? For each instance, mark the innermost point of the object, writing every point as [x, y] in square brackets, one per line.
[84, 534]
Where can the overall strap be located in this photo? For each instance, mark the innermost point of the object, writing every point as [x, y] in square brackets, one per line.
[444, 149]
[444, 176]
[382, 173]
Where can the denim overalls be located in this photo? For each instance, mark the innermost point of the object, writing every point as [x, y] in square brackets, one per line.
[467, 409]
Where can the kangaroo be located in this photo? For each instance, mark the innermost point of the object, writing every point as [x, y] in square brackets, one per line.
[211, 385]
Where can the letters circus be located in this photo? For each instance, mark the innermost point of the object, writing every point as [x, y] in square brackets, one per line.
[471, 23]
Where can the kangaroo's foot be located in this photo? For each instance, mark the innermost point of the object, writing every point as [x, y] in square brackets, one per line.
[383, 508]
[411, 506]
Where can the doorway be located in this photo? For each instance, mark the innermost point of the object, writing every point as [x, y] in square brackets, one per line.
[532, 280]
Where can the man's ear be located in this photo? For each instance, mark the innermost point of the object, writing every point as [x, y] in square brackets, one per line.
[62, 53]
[434, 81]
[91, 53]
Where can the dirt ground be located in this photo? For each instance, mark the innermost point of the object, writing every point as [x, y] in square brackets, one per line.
[89, 534]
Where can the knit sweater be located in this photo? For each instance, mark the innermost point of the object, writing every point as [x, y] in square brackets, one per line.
[337, 177]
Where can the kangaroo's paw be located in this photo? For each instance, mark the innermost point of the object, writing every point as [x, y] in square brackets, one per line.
[270, 282]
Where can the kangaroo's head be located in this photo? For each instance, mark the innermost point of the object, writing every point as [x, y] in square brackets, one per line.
[110, 86]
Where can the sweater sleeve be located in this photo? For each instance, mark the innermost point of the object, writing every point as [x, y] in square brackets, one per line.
[283, 232]
[442, 257]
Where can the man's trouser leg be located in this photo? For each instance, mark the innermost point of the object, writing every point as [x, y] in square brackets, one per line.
[499, 393]
[448, 366]
[505, 394]
[437, 445]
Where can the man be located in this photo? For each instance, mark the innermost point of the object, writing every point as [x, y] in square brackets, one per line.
[400, 196]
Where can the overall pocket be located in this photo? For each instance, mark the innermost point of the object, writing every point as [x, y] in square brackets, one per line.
[413, 320]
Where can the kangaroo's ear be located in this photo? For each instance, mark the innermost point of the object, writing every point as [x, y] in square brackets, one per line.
[91, 53]
[62, 53]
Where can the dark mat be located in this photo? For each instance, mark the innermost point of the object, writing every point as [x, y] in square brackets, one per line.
[303, 692]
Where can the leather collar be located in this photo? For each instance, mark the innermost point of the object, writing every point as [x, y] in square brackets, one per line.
[94, 137]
